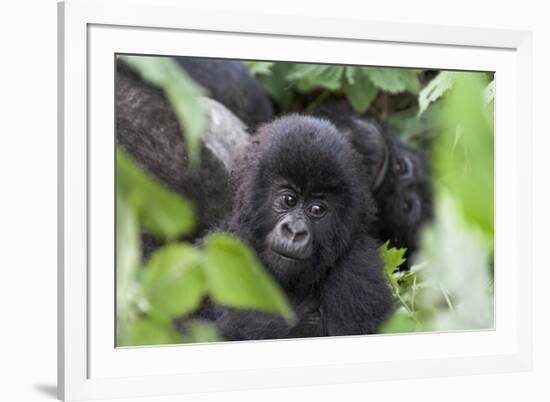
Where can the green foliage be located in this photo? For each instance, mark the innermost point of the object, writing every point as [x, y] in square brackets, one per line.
[392, 258]
[173, 282]
[464, 152]
[181, 91]
[235, 277]
[359, 89]
[160, 211]
[449, 286]
[434, 90]
[393, 80]
[360, 85]
[178, 276]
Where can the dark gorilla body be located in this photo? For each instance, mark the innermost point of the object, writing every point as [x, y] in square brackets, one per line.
[303, 204]
[399, 175]
[231, 84]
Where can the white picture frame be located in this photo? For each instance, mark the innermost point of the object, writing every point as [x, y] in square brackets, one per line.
[91, 32]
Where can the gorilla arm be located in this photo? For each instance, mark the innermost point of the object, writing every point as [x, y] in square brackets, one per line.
[355, 297]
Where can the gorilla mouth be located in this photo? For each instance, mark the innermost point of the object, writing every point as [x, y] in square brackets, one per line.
[289, 254]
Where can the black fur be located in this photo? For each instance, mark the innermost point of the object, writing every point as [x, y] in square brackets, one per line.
[340, 289]
[147, 129]
[230, 83]
[400, 175]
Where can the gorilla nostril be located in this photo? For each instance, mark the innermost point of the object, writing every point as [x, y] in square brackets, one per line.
[286, 232]
[301, 237]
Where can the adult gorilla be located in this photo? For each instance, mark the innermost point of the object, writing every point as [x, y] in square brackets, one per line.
[303, 204]
[231, 84]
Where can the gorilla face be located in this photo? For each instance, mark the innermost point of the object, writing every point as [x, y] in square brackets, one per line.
[303, 197]
[405, 201]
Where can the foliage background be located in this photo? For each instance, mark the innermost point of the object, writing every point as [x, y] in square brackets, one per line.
[449, 286]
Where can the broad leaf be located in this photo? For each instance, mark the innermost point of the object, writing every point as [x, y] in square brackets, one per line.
[162, 212]
[359, 89]
[311, 76]
[393, 80]
[173, 281]
[146, 331]
[236, 278]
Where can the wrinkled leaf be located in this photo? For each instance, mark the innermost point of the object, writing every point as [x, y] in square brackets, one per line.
[393, 80]
[235, 278]
[359, 89]
[259, 67]
[173, 281]
[311, 76]
[392, 259]
[162, 212]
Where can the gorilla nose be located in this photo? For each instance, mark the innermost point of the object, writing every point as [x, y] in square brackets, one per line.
[295, 231]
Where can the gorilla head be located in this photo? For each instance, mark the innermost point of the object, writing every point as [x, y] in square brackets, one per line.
[398, 175]
[302, 202]
[301, 197]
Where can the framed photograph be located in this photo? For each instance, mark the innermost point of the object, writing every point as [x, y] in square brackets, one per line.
[255, 201]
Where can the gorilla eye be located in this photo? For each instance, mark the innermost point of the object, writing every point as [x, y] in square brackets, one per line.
[407, 205]
[317, 210]
[401, 166]
[289, 200]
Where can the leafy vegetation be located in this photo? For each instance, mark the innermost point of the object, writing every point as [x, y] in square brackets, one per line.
[449, 285]
[151, 295]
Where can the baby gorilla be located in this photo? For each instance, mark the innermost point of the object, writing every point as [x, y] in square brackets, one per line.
[303, 205]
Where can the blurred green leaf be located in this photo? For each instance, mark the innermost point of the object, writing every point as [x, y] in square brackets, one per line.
[311, 76]
[146, 331]
[434, 90]
[128, 259]
[359, 89]
[162, 212]
[236, 278]
[182, 92]
[464, 152]
[393, 80]
[201, 331]
[259, 67]
[456, 273]
[173, 281]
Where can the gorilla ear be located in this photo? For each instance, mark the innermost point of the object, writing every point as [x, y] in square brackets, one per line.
[374, 149]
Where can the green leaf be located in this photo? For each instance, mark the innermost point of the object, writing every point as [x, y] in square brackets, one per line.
[434, 90]
[464, 150]
[392, 259]
[259, 67]
[162, 212]
[359, 89]
[128, 259]
[173, 281]
[312, 76]
[236, 278]
[147, 331]
[393, 80]
[277, 86]
[182, 92]
[198, 331]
